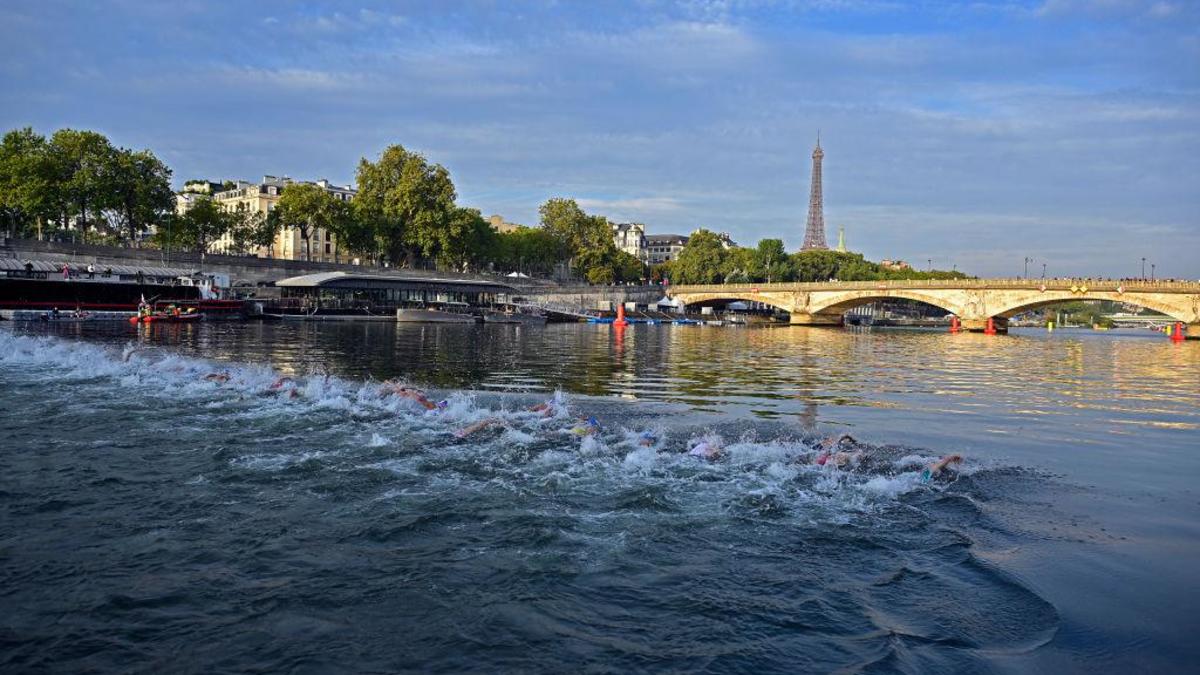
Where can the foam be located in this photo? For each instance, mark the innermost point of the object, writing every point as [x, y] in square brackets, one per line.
[529, 449]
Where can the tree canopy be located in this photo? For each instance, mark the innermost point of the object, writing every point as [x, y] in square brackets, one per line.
[79, 180]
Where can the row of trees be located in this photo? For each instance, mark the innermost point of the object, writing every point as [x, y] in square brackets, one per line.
[704, 260]
[79, 180]
[404, 213]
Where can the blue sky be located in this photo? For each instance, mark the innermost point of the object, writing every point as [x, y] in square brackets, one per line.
[972, 133]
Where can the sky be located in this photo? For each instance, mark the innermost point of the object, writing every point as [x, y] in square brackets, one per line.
[969, 134]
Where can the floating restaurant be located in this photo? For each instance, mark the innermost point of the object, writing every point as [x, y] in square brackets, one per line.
[352, 295]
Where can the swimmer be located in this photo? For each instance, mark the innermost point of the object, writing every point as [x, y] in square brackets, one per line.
[838, 459]
[590, 426]
[284, 382]
[405, 391]
[546, 409]
[647, 439]
[705, 450]
[218, 377]
[829, 443]
[937, 467]
[278, 383]
[478, 426]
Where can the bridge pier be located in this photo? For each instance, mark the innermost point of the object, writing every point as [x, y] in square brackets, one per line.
[1191, 331]
[980, 325]
[805, 319]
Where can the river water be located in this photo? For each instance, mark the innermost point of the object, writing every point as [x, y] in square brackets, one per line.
[155, 519]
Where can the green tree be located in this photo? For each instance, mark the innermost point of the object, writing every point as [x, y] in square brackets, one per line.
[201, 225]
[528, 250]
[575, 230]
[83, 165]
[246, 228]
[771, 262]
[266, 229]
[28, 191]
[466, 240]
[307, 208]
[702, 260]
[141, 191]
[407, 202]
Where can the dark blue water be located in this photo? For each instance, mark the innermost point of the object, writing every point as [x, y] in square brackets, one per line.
[152, 519]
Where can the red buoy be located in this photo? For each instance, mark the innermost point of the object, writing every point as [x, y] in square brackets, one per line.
[1177, 336]
[991, 327]
[955, 326]
[620, 316]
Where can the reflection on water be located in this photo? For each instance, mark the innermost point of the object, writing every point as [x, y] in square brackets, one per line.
[1132, 378]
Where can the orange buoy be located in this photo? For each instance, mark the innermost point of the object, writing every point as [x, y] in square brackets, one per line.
[991, 327]
[1177, 335]
[620, 316]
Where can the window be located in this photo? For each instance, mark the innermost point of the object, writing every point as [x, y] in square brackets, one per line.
[327, 247]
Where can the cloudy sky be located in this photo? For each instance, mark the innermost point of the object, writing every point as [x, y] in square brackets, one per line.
[970, 133]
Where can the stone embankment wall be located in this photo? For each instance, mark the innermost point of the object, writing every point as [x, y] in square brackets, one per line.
[242, 270]
[585, 297]
[262, 272]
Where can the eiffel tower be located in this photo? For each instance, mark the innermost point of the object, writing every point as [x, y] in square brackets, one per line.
[814, 233]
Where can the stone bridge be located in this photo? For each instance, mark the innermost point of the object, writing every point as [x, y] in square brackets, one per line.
[973, 301]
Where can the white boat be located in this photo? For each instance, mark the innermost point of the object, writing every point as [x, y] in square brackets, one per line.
[512, 315]
[434, 315]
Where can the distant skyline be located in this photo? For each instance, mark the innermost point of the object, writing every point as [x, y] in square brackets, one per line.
[973, 134]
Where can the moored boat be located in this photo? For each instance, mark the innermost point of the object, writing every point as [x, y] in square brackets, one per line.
[515, 315]
[445, 312]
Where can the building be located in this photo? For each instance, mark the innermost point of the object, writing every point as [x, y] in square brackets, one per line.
[814, 232]
[261, 198]
[661, 248]
[841, 247]
[630, 238]
[501, 225]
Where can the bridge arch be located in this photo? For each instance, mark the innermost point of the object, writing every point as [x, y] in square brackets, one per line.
[844, 302]
[780, 303]
[1036, 300]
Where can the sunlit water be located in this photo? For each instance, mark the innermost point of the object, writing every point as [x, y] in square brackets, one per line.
[151, 519]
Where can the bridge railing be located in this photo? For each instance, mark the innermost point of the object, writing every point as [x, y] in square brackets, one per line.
[1126, 285]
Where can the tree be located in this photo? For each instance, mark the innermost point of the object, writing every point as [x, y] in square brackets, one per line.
[530, 250]
[266, 229]
[306, 207]
[83, 165]
[141, 191]
[575, 230]
[202, 224]
[771, 262]
[467, 240]
[407, 202]
[247, 228]
[28, 193]
[701, 261]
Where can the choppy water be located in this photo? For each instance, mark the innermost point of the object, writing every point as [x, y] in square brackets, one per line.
[152, 519]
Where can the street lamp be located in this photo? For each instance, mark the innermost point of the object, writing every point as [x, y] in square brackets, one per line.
[1143, 268]
[1027, 261]
[1151, 271]
[1043, 271]
[931, 264]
